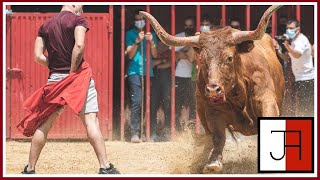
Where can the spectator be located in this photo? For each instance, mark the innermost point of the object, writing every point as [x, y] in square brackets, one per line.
[235, 23]
[206, 24]
[299, 50]
[136, 40]
[161, 93]
[184, 88]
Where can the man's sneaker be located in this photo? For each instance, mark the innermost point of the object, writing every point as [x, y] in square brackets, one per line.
[135, 138]
[25, 171]
[109, 170]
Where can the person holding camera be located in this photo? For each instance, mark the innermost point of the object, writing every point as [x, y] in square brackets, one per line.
[300, 52]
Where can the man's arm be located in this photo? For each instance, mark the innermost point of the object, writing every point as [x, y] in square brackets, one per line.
[78, 49]
[132, 49]
[283, 56]
[154, 51]
[294, 53]
[39, 48]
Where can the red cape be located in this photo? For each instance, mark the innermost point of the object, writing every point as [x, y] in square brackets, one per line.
[71, 91]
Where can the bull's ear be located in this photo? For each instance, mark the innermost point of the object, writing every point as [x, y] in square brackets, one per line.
[245, 46]
[197, 50]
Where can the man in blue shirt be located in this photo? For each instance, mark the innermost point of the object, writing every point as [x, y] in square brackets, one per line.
[136, 49]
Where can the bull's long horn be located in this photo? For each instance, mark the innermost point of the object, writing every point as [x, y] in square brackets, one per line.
[167, 38]
[241, 36]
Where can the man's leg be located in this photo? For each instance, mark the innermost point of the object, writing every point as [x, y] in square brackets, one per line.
[180, 95]
[135, 96]
[39, 139]
[91, 123]
[154, 105]
[89, 119]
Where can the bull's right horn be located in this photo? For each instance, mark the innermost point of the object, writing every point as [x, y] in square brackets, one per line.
[166, 38]
[242, 36]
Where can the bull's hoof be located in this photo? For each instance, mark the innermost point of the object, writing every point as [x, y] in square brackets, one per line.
[213, 167]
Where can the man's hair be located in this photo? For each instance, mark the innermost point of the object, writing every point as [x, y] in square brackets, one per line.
[190, 18]
[206, 18]
[296, 22]
[136, 12]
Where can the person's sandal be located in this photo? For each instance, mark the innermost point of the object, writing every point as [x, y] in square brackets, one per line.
[109, 170]
[25, 171]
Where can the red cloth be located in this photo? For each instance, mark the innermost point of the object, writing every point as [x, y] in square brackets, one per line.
[72, 91]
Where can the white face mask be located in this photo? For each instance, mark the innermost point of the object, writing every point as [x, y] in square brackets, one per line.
[204, 28]
[140, 24]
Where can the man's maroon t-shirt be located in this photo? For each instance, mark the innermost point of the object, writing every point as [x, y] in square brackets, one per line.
[58, 35]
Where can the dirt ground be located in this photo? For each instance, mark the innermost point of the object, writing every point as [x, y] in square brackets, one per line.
[180, 156]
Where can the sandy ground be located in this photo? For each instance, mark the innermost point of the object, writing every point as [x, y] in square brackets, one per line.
[180, 156]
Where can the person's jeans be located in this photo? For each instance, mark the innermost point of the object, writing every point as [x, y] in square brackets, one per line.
[135, 97]
[160, 94]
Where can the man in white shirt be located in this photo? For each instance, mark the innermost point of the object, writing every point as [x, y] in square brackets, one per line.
[300, 51]
[185, 92]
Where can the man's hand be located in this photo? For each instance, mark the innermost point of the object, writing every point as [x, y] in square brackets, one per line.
[276, 44]
[140, 37]
[286, 44]
[149, 36]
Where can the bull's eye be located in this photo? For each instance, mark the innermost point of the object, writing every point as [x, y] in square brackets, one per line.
[230, 59]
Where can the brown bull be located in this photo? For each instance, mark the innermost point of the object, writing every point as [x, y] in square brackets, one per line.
[240, 79]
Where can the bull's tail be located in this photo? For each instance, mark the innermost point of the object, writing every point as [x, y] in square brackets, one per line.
[232, 133]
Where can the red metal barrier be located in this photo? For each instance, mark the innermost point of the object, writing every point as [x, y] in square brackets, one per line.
[8, 80]
[110, 70]
[173, 73]
[248, 17]
[223, 15]
[33, 76]
[274, 24]
[198, 9]
[298, 13]
[122, 72]
[148, 80]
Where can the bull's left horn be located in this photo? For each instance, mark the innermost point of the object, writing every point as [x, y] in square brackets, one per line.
[242, 36]
[166, 38]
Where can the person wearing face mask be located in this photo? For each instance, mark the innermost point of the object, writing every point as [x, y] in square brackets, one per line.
[235, 23]
[69, 83]
[185, 87]
[300, 52]
[205, 24]
[136, 40]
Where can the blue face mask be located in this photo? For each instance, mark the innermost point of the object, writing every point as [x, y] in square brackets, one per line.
[291, 33]
[140, 24]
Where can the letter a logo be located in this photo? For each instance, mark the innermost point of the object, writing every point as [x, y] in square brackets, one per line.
[286, 145]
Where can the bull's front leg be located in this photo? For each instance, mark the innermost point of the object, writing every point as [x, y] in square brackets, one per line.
[269, 106]
[217, 125]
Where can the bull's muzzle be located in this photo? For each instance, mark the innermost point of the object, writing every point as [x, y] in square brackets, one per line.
[215, 93]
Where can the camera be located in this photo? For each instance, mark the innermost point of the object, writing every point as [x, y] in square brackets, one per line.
[282, 38]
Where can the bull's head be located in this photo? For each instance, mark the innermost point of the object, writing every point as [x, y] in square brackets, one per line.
[219, 51]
